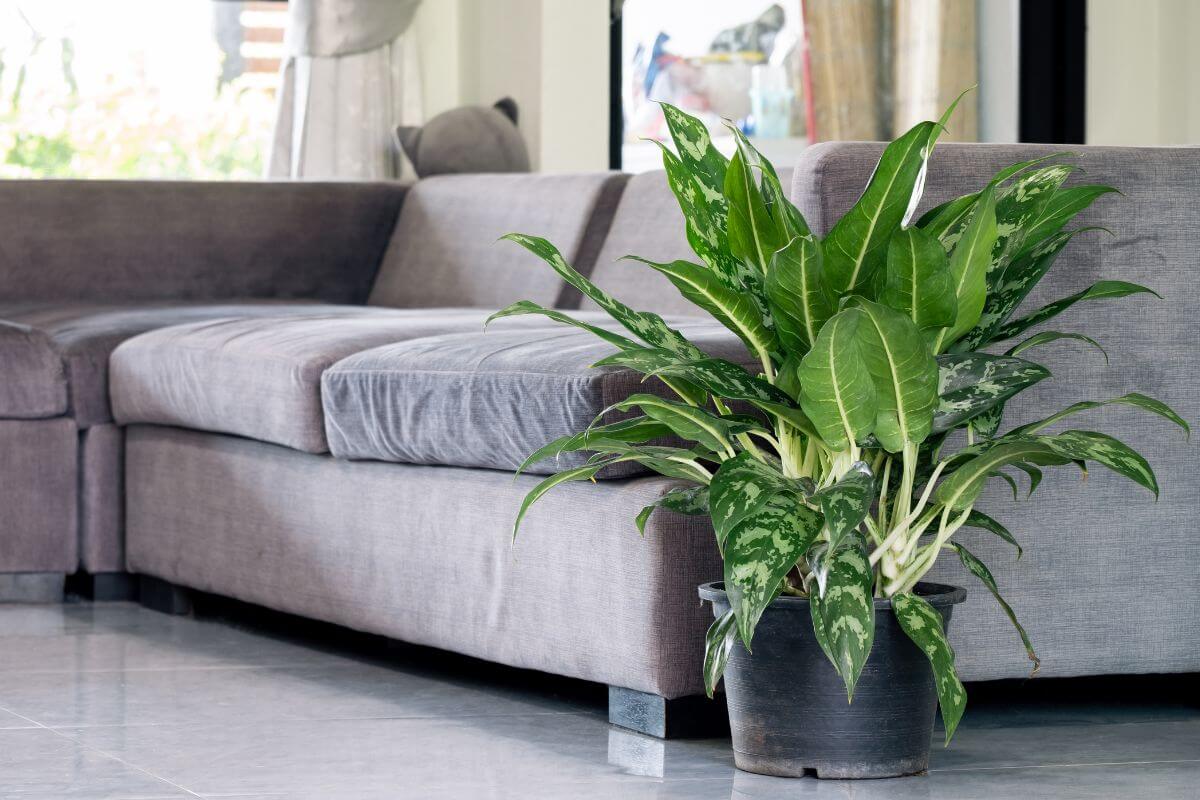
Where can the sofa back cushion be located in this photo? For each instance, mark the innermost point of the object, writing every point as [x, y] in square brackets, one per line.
[120, 241]
[444, 250]
[648, 223]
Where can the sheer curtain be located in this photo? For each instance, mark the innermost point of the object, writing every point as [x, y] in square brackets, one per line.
[351, 74]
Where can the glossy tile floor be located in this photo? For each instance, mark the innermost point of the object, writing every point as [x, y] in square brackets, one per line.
[105, 701]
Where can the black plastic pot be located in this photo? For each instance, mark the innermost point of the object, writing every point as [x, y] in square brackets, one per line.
[787, 705]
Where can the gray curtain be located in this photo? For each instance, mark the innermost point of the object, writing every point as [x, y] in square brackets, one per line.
[350, 75]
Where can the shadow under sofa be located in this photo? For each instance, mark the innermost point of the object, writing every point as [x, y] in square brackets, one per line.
[343, 449]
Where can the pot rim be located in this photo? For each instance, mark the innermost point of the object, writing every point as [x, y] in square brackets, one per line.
[938, 595]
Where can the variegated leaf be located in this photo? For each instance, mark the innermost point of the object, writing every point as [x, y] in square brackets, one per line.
[759, 552]
[754, 235]
[718, 642]
[904, 372]
[987, 422]
[923, 624]
[947, 221]
[585, 472]
[836, 391]
[977, 519]
[692, 500]
[735, 310]
[787, 217]
[969, 260]
[1063, 206]
[648, 359]
[843, 611]
[523, 307]
[980, 570]
[724, 379]
[846, 502]
[1018, 208]
[917, 281]
[1135, 399]
[857, 244]
[798, 293]
[695, 149]
[647, 326]
[1097, 291]
[741, 486]
[628, 431]
[962, 486]
[1045, 337]
[971, 383]
[1104, 449]
[687, 422]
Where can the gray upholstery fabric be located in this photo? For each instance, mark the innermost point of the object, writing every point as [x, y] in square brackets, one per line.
[102, 499]
[38, 496]
[444, 251]
[424, 554]
[648, 223]
[261, 377]
[33, 383]
[485, 399]
[81, 337]
[101, 241]
[1085, 608]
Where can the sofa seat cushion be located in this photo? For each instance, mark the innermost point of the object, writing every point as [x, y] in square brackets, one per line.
[70, 344]
[261, 377]
[33, 385]
[485, 399]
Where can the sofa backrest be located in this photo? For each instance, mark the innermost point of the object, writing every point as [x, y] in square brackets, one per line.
[191, 240]
[444, 251]
[648, 223]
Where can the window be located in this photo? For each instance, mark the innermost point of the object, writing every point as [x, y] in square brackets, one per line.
[137, 88]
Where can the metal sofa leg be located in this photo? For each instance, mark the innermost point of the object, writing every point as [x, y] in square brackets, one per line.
[692, 717]
[159, 595]
[32, 587]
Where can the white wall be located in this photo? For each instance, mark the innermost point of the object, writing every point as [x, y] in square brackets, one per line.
[1143, 72]
[551, 56]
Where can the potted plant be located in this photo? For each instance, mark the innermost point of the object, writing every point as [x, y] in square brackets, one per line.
[839, 461]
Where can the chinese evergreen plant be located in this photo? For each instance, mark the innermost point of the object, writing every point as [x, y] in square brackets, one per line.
[825, 467]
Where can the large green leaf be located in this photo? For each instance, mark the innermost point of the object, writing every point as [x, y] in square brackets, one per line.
[718, 642]
[688, 422]
[787, 217]
[836, 391]
[1104, 449]
[754, 235]
[977, 519]
[980, 570]
[735, 310]
[923, 624]
[740, 487]
[761, 549]
[917, 280]
[647, 326]
[969, 261]
[798, 293]
[904, 372]
[628, 431]
[1062, 207]
[843, 610]
[962, 486]
[1097, 291]
[971, 383]
[857, 244]
[1135, 399]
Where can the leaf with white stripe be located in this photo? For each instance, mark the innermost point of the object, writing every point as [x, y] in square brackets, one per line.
[843, 611]
[917, 280]
[837, 393]
[799, 294]
[923, 624]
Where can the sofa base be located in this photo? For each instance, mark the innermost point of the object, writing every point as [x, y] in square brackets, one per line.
[32, 587]
[163, 596]
[691, 717]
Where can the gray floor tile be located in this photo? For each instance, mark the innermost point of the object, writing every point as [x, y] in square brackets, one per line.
[42, 764]
[9, 721]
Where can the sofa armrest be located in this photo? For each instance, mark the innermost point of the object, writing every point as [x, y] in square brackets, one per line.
[192, 240]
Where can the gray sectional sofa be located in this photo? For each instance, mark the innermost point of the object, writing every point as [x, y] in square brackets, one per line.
[282, 393]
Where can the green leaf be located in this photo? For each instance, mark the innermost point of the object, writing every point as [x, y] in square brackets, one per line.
[753, 233]
[1062, 207]
[923, 624]
[1097, 291]
[692, 500]
[971, 383]
[787, 217]
[735, 310]
[724, 379]
[980, 570]
[1104, 449]
[759, 552]
[628, 431]
[648, 359]
[718, 643]
[1046, 337]
[917, 281]
[798, 294]
[904, 372]
[585, 472]
[1018, 208]
[986, 423]
[740, 487]
[647, 326]
[1135, 399]
[792, 416]
[969, 261]
[857, 244]
[695, 149]
[947, 219]
[961, 487]
[977, 519]
[846, 502]
[843, 611]
[836, 391]
[687, 422]
[523, 307]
